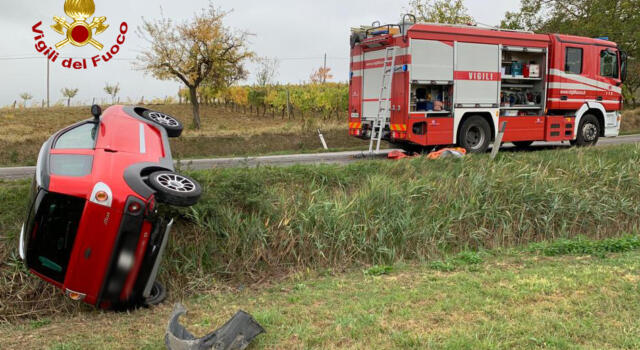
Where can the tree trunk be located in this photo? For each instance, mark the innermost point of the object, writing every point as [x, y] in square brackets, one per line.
[68, 102]
[196, 107]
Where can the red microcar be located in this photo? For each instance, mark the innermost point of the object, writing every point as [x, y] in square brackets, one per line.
[93, 228]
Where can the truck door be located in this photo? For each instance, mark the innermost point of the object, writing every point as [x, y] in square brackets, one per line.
[477, 75]
[609, 72]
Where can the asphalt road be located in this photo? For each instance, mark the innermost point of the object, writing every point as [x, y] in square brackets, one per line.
[311, 158]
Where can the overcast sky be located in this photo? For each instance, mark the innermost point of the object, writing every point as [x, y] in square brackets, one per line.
[297, 32]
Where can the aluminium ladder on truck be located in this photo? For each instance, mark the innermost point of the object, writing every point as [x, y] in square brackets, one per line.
[384, 102]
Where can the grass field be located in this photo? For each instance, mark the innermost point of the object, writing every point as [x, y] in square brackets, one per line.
[533, 298]
[223, 133]
[254, 225]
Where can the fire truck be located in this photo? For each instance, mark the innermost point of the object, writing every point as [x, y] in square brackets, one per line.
[420, 85]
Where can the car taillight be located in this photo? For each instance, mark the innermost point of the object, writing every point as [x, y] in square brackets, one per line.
[134, 208]
[75, 295]
[101, 196]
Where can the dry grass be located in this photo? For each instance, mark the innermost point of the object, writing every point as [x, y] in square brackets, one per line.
[29, 123]
[223, 132]
[630, 121]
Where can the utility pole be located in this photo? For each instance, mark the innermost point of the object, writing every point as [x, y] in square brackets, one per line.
[324, 71]
[48, 105]
[288, 105]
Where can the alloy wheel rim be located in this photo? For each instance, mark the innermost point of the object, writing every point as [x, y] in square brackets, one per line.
[163, 119]
[589, 132]
[176, 183]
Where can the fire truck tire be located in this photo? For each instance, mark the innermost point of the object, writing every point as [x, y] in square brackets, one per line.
[475, 135]
[172, 125]
[588, 131]
[175, 189]
[523, 144]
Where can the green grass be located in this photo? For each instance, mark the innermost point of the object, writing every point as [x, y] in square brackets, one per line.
[511, 299]
[256, 224]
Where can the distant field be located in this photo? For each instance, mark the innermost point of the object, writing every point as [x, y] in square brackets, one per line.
[223, 133]
[631, 121]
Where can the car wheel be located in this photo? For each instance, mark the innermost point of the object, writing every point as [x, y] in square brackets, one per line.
[588, 131]
[172, 125]
[175, 189]
[523, 144]
[475, 135]
[157, 295]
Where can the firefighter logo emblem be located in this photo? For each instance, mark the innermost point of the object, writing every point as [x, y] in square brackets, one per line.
[79, 32]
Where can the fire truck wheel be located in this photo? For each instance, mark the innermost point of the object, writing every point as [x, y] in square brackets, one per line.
[475, 135]
[175, 189]
[588, 131]
[523, 144]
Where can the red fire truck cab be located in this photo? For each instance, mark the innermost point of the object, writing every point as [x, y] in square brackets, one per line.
[453, 84]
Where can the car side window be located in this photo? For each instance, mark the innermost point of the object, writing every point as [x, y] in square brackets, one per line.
[74, 165]
[81, 137]
[608, 64]
[573, 60]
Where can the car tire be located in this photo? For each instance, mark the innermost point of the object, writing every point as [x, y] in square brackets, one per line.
[157, 295]
[523, 144]
[475, 135]
[175, 189]
[172, 125]
[588, 131]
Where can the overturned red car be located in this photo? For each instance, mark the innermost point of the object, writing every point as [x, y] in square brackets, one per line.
[93, 227]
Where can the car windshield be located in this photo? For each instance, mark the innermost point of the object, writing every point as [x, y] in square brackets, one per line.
[51, 231]
[80, 137]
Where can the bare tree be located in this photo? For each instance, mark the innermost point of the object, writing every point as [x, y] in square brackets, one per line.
[69, 94]
[25, 96]
[267, 71]
[199, 51]
[112, 90]
[321, 75]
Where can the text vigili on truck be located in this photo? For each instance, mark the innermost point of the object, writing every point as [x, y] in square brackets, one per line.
[419, 85]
